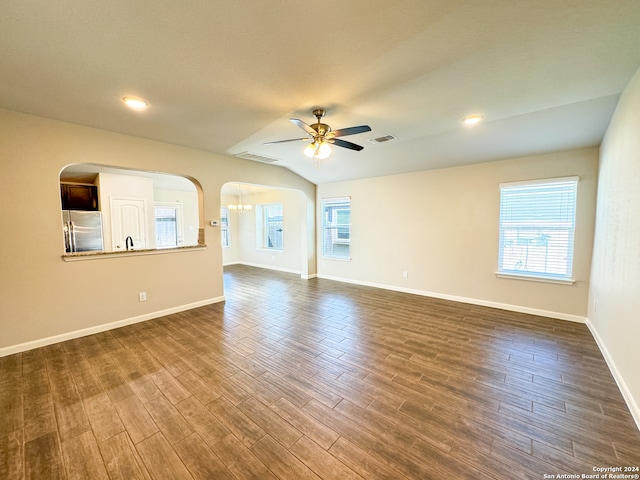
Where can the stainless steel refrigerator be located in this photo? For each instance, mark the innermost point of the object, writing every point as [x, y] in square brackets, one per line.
[82, 231]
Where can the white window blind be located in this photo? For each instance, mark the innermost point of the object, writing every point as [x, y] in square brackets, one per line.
[224, 226]
[270, 223]
[537, 224]
[336, 227]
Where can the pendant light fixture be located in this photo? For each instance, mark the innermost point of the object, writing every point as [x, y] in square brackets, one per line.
[240, 207]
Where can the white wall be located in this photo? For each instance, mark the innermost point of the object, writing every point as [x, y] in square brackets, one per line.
[44, 299]
[441, 226]
[125, 186]
[614, 303]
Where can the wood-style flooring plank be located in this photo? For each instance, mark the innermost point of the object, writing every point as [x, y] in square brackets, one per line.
[82, 458]
[103, 417]
[281, 462]
[161, 460]
[200, 459]
[11, 457]
[43, 458]
[320, 461]
[135, 418]
[292, 378]
[121, 459]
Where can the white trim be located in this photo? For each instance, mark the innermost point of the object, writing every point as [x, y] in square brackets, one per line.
[634, 408]
[43, 342]
[228, 264]
[268, 267]
[336, 258]
[473, 301]
[539, 181]
[304, 277]
[536, 278]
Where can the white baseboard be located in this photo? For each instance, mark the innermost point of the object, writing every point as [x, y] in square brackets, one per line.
[634, 408]
[472, 301]
[268, 267]
[43, 342]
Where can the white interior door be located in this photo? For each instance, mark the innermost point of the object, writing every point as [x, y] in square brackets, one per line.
[128, 219]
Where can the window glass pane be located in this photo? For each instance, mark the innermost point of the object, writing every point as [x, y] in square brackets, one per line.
[166, 227]
[336, 227]
[224, 226]
[537, 223]
[271, 226]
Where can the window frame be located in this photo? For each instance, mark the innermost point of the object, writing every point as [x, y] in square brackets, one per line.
[177, 207]
[262, 227]
[335, 203]
[566, 209]
[225, 233]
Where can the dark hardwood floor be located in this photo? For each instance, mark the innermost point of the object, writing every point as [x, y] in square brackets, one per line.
[297, 379]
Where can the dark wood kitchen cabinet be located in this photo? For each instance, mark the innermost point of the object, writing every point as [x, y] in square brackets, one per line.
[79, 197]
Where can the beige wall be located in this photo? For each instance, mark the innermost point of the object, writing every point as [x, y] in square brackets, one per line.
[293, 242]
[614, 304]
[441, 226]
[43, 298]
[243, 235]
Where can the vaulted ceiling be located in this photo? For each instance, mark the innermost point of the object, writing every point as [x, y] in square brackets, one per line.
[227, 76]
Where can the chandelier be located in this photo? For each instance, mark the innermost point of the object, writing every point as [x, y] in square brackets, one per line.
[240, 207]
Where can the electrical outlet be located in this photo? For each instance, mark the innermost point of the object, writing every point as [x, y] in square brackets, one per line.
[142, 296]
[405, 274]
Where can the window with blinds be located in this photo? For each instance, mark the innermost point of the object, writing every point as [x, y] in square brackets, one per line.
[537, 224]
[336, 228]
[269, 227]
[224, 226]
[168, 224]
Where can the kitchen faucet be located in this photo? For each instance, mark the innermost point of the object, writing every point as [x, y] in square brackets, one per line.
[126, 242]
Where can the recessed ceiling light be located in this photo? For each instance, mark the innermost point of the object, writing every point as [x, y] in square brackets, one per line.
[135, 103]
[471, 120]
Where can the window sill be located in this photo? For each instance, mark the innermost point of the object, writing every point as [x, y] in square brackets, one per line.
[75, 257]
[339, 259]
[515, 276]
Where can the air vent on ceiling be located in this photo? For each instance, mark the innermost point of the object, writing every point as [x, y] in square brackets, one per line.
[256, 157]
[386, 138]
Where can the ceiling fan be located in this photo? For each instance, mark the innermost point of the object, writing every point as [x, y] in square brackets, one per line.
[322, 137]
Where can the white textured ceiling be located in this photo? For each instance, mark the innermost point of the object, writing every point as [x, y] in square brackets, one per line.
[226, 76]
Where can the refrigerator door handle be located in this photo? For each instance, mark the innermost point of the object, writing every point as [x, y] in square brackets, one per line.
[72, 237]
[67, 241]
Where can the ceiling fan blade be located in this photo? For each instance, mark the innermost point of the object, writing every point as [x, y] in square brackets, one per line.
[284, 141]
[343, 132]
[303, 126]
[345, 144]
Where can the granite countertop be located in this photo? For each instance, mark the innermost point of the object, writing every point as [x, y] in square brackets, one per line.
[123, 253]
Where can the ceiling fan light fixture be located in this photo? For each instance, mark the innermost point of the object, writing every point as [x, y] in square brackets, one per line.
[324, 150]
[318, 149]
[310, 150]
[322, 137]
